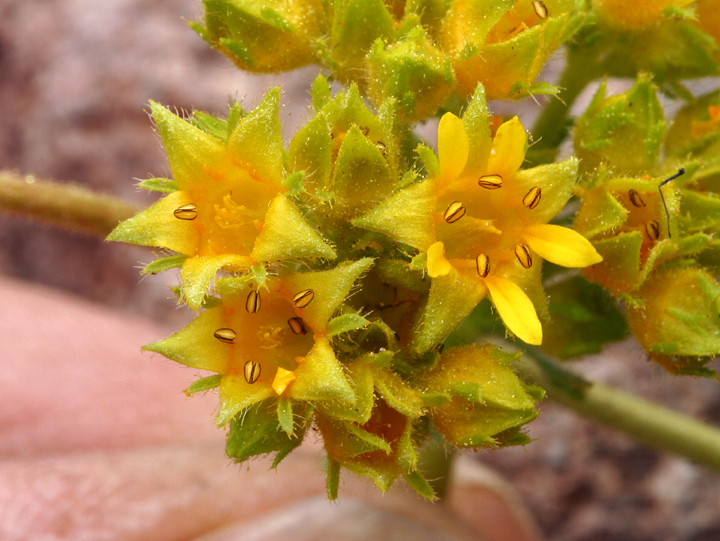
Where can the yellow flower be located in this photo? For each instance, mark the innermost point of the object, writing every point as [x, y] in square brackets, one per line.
[483, 225]
[500, 43]
[229, 210]
[271, 339]
[503, 228]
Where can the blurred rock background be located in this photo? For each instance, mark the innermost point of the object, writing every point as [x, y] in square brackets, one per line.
[75, 80]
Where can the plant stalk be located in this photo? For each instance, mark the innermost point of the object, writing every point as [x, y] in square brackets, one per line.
[644, 421]
[64, 205]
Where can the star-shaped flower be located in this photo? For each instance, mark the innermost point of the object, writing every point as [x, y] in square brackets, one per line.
[229, 209]
[271, 339]
[483, 224]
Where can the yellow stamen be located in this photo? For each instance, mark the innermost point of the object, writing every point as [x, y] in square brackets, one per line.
[252, 304]
[297, 325]
[482, 263]
[522, 252]
[225, 335]
[454, 212]
[490, 182]
[532, 198]
[635, 198]
[186, 212]
[251, 371]
[302, 299]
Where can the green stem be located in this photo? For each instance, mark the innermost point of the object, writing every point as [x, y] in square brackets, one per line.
[644, 421]
[64, 205]
[552, 125]
[435, 462]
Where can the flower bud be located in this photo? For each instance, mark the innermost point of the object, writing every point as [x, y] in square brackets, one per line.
[623, 132]
[267, 37]
[678, 319]
[412, 71]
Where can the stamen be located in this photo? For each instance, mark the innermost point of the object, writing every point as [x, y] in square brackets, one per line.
[490, 182]
[532, 198]
[635, 198]
[252, 304]
[652, 228]
[540, 9]
[522, 252]
[454, 212]
[302, 299]
[225, 335]
[251, 371]
[482, 263]
[186, 212]
[382, 148]
[680, 172]
[297, 325]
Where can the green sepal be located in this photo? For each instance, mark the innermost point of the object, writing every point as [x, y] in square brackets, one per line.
[477, 126]
[506, 404]
[429, 159]
[164, 263]
[362, 176]
[311, 152]
[406, 216]
[398, 273]
[619, 271]
[600, 213]
[680, 316]
[361, 376]
[256, 141]
[624, 131]
[293, 184]
[321, 94]
[398, 394]
[331, 287]
[165, 185]
[420, 485]
[345, 323]
[522, 90]
[699, 212]
[435, 399]
[332, 482]
[583, 318]
[412, 71]
[210, 124]
[355, 27]
[321, 376]
[451, 299]
[267, 36]
[204, 384]
[468, 390]
[256, 431]
[287, 235]
[285, 415]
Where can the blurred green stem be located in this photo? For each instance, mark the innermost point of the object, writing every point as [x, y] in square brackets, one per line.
[64, 205]
[645, 422]
[435, 462]
[552, 126]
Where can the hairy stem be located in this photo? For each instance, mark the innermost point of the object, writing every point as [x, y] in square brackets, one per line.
[64, 205]
[643, 421]
[435, 462]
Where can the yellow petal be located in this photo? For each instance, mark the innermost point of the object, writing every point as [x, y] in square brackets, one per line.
[283, 378]
[437, 263]
[453, 147]
[508, 149]
[561, 245]
[516, 309]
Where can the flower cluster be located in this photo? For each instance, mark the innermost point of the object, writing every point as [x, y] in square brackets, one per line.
[327, 278]
[419, 53]
[657, 243]
[335, 279]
